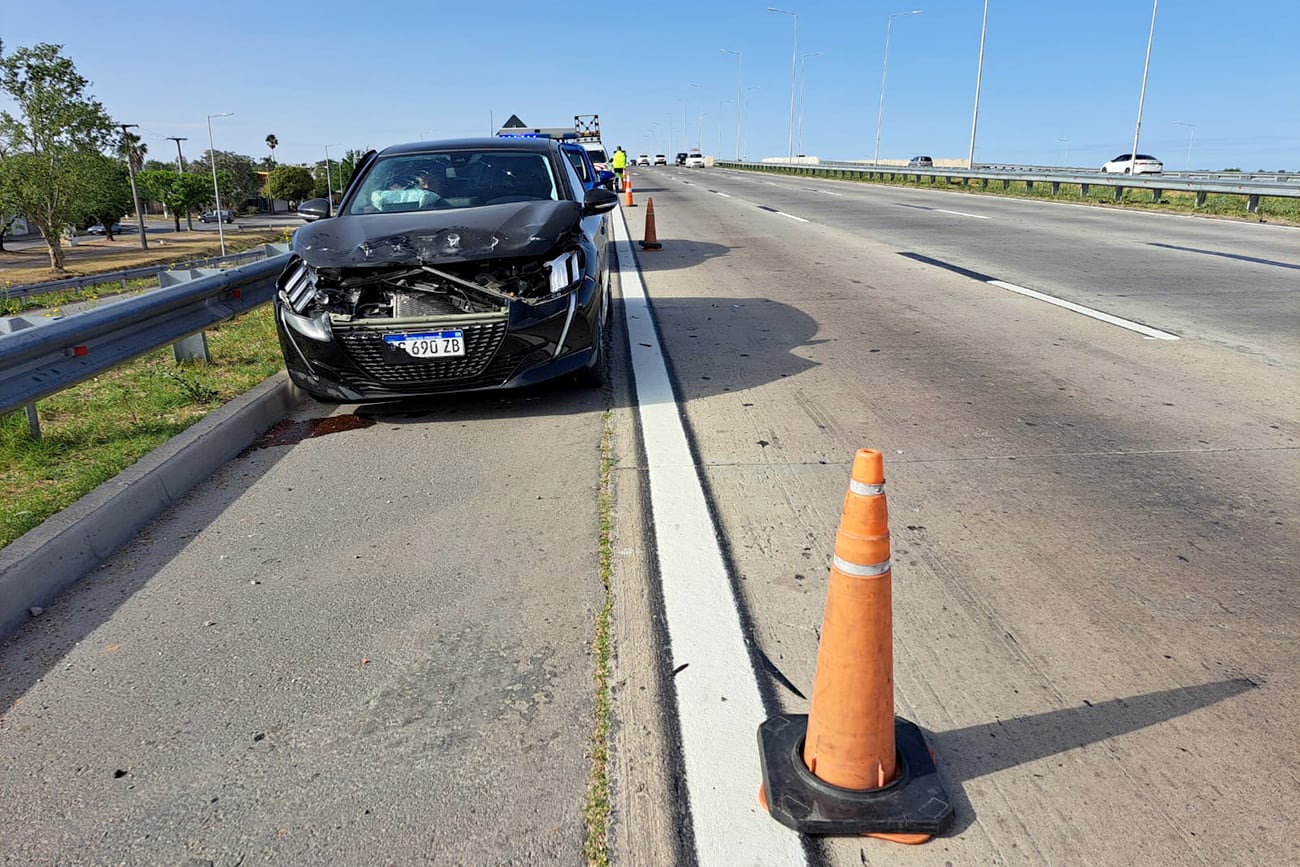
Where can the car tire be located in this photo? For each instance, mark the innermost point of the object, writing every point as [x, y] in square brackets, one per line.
[1126, 171]
[594, 374]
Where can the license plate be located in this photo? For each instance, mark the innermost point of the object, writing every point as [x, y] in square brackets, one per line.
[429, 344]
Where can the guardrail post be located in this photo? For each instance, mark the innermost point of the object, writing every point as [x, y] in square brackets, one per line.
[1029, 186]
[194, 347]
[1056, 188]
[1083, 190]
[1200, 199]
[984, 183]
[1155, 195]
[33, 421]
[1119, 194]
[1252, 204]
[1006, 183]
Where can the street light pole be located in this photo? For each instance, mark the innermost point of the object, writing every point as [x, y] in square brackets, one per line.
[1137, 130]
[794, 58]
[1067, 151]
[135, 193]
[880, 117]
[700, 123]
[745, 149]
[216, 191]
[979, 75]
[1191, 134]
[739, 62]
[803, 82]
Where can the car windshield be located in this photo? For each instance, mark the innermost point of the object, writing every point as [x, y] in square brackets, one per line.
[454, 179]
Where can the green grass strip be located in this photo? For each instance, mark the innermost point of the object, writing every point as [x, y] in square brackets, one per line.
[598, 804]
[94, 430]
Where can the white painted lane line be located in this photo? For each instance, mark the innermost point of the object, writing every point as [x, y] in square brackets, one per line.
[1153, 333]
[718, 702]
[724, 195]
[772, 210]
[962, 214]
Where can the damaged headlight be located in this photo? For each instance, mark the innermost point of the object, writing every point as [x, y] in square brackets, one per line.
[299, 286]
[565, 272]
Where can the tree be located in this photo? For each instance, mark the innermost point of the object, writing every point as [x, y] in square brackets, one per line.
[130, 147]
[272, 142]
[54, 122]
[340, 171]
[180, 193]
[240, 183]
[105, 191]
[291, 183]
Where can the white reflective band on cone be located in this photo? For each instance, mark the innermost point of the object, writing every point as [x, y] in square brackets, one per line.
[866, 490]
[859, 571]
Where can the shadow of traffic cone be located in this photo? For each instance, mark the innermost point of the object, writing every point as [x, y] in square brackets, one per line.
[850, 767]
[627, 186]
[651, 241]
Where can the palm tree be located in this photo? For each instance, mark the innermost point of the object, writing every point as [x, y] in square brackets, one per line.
[272, 142]
[133, 149]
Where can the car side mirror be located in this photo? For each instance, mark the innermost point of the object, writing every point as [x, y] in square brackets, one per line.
[314, 209]
[598, 201]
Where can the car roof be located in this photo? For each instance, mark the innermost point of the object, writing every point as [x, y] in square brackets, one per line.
[531, 145]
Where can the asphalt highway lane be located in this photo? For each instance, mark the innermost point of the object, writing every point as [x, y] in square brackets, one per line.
[1094, 532]
[366, 646]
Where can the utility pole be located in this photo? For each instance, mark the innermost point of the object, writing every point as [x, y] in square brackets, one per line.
[180, 160]
[135, 194]
[180, 170]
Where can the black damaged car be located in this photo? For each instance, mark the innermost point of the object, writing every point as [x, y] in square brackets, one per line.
[449, 267]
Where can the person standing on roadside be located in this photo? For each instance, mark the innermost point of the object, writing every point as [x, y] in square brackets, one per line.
[620, 163]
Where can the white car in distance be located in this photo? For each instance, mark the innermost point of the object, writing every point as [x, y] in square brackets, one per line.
[1143, 164]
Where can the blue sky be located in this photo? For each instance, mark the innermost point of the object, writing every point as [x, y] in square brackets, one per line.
[1060, 85]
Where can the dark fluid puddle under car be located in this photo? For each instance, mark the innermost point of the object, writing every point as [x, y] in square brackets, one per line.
[449, 267]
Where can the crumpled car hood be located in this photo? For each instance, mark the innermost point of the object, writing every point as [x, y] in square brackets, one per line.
[518, 229]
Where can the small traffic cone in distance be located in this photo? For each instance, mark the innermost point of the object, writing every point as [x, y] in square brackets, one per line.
[850, 767]
[651, 241]
[627, 185]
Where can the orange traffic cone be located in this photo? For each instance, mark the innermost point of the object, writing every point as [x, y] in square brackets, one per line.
[850, 767]
[627, 185]
[651, 241]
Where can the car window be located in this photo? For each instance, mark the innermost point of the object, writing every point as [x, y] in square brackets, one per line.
[1147, 157]
[453, 179]
[578, 177]
[579, 165]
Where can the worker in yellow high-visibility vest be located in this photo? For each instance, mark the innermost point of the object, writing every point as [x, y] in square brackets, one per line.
[620, 163]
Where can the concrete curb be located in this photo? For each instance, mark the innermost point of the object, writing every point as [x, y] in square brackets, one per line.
[39, 565]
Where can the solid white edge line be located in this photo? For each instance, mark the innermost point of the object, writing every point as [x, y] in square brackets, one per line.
[962, 214]
[724, 195]
[790, 216]
[1087, 311]
[719, 707]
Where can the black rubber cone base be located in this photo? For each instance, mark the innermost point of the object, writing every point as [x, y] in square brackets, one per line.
[914, 803]
[650, 245]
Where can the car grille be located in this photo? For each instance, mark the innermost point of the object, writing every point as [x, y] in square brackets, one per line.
[365, 346]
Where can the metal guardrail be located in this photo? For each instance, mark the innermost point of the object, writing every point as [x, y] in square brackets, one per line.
[1254, 186]
[39, 361]
[126, 275]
